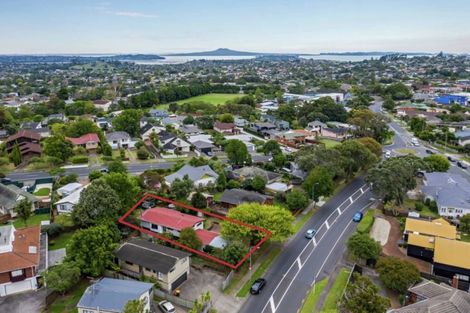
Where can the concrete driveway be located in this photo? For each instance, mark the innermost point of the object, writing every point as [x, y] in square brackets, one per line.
[31, 302]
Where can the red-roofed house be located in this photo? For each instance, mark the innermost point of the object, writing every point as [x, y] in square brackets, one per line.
[164, 220]
[87, 141]
[226, 128]
[19, 259]
[211, 238]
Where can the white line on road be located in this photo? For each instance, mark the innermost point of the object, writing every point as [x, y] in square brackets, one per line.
[339, 211]
[327, 225]
[299, 263]
[314, 242]
[351, 199]
[271, 299]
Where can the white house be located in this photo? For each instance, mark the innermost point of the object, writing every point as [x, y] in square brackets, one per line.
[148, 129]
[120, 139]
[68, 203]
[68, 189]
[200, 176]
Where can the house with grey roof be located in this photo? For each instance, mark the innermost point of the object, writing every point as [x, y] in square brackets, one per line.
[158, 114]
[120, 139]
[450, 191]
[190, 130]
[148, 129]
[138, 257]
[234, 197]
[463, 137]
[109, 295]
[201, 175]
[10, 195]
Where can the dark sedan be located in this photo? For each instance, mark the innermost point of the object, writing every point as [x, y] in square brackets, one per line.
[257, 286]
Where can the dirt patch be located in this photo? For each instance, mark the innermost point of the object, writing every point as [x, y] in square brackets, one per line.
[392, 249]
[380, 230]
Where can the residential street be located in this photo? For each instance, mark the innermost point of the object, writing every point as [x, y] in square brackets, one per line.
[304, 261]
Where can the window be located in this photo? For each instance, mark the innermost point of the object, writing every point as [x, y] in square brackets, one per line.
[160, 276]
[17, 273]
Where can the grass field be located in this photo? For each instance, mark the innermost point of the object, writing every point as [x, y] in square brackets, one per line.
[243, 292]
[313, 296]
[329, 143]
[212, 98]
[67, 303]
[365, 224]
[336, 291]
[34, 220]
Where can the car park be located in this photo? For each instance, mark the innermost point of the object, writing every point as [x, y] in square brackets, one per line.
[357, 217]
[310, 233]
[166, 306]
[257, 286]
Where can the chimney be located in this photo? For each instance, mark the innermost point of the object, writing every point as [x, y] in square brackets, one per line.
[455, 282]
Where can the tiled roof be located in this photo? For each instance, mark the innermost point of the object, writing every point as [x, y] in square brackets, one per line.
[169, 218]
[22, 256]
[438, 227]
[92, 137]
[24, 134]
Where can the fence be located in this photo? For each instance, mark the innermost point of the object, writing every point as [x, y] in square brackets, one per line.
[177, 300]
[228, 280]
[462, 285]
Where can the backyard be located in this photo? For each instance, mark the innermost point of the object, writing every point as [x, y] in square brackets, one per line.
[33, 220]
[212, 98]
[67, 303]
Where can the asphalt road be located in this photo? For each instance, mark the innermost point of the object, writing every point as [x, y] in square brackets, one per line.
[403, 138]
[83, 171]
[304, 262]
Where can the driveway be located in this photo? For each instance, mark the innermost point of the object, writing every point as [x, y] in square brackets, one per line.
[204, 280]
[31, 302]
[380, 230]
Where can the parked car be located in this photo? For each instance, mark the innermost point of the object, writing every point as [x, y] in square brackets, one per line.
[429, 151]
[104, 170]
[388, 154]
[309, 234]
[462, 165]
[147, 204]
[166, 306]
[357, 217]
[257, 286]
[450, 159]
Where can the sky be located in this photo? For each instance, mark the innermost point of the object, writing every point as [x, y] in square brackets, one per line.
[165, 26]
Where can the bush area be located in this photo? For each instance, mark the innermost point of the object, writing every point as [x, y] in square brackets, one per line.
[79, 159]
[313, 296]
[366, 223]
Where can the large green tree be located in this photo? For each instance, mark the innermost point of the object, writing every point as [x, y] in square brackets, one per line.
[98, 203]
[237, 152]
[369, 124]
[234, 251]
[437, 163]
[372, 145]
[23, 210]
[125, 186]
[56, 146]
[310, 157]
[271, 217]
[62, 277]
[361, 296]
[364, 247]
[355, 157]
[128, 121]
[180, 188]
[189, 238]
[297, 199]
[396, 274]
[319, 182]
[91, 249]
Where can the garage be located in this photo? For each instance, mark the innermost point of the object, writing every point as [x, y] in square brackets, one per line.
[179, 281]
[20, 286]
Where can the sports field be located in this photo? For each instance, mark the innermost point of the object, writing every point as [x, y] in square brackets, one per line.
[212, 98]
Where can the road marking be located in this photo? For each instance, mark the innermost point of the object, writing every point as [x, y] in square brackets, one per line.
[314, 242]
[299, 263]
[339, 211]
[271, 300]
[327, 225]
[273, 307]
[351, 199]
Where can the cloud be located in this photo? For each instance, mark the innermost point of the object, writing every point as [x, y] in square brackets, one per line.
[134, 14]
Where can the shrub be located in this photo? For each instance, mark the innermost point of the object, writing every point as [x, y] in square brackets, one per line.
[142, 154]
[232, 184]
[53, 229]
[4, 161]
[79, 159]
[419, 206]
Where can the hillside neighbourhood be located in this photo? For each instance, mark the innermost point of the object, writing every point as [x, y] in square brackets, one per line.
[261, 185]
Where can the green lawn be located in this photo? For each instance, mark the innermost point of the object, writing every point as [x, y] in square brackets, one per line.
[425, 212]
[34, 220]
[406, 151]
[329, 143]
[60, 241]
[313, 296]
[365, 224]
[68, 302]
[302, 220]
[243, 292]
[42, 192]
[212, 98]
[336, 291]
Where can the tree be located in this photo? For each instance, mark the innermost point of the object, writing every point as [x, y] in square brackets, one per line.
[372, 145]
[417, 124]
[271, 147]
[92, 249]
[125, 186]
[396, 274]
[279, 160]
[234, 251]
[23, 210]
[364, 247]
[180, 188]
[355, 157]
[392, 178]
[135, 306]
[437, 163]
[369, 124]
[226, 118]
[310, 157]
[95, 174]
[198, 201]
[188, 237]
[128, 121]
[188, 120]
[237, 152]
[398, 91]
[389, 104]
[296, 200]
[271, 217]
[258, 183]
[62, 277]
[98, 203]
[221, 182]
[362, 295]
[117, 166]
[319, 182]
[56, 146]
[15, 155]
[465, 223]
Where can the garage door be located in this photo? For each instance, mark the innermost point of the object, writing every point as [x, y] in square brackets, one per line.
[179, 281]
[18, 287]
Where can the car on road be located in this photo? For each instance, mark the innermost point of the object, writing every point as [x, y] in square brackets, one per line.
[415, 142]
[257, 286]
[104, 170]
[388, 154]
[166, 306]
[310, 233]
[429, 151]
[451, 159]
[357, 217]
[462, 165]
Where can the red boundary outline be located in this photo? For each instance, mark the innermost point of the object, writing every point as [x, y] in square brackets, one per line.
[123, 221]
